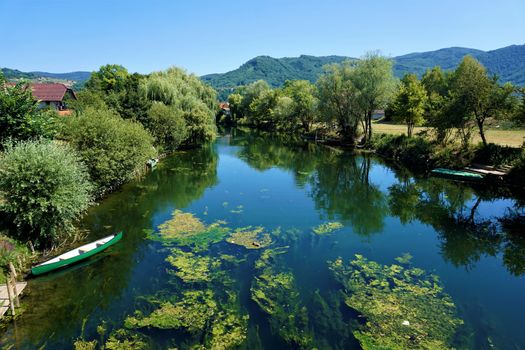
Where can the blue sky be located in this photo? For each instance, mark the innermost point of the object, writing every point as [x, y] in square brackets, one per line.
[207, 36]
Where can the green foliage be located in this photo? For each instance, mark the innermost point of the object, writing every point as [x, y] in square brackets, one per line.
[109, 78]
[250, 237]
[410, 102]
[189, 96]
[45, 187]
[20, 117]
[327, 227]
[114, 149]
[404, 308]
[167, 125]
[12, 251]
[337, 99]
[303, 106]
[476, 97]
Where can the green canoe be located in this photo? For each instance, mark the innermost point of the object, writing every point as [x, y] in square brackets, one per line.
[76, 254]
[465, 175]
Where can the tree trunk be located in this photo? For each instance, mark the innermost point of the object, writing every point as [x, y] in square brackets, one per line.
[369, 121]
[481, 132]
[410, 130]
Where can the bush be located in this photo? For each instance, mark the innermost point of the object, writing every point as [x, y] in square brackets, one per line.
[44, 187]
[20, 117]
[496, 155]
[113, 149]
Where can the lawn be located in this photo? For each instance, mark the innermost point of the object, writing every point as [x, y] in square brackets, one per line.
[512, 138]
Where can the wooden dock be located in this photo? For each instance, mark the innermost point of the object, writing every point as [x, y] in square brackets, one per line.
[4, 296]
[488, 171]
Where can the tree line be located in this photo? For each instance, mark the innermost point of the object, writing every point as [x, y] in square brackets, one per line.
[342, 102]
[52, 168]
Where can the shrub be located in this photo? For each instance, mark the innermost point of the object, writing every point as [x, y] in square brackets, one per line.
[113, 149]
[20, 117]
[496, 155]
[45, 188]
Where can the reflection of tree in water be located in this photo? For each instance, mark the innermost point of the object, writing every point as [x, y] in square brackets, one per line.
[61, 301]
[342, 188]
[452, 210]
[263, 151]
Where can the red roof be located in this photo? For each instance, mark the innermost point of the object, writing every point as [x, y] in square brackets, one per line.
[48, 92]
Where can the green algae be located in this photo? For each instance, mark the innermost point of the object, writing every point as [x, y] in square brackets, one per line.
[275, 293]
[404, 308]
[191, 267]
[191, 313]
[327, 227]
[184, 229]
[250, 237]
[123, 339]
[80, 344]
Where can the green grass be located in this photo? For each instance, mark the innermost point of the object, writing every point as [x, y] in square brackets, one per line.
[513, 138]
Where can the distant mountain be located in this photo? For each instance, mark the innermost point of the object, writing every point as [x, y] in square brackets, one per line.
[508, 63]
[73, 78]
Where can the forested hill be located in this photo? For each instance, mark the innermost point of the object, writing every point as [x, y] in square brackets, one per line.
[507, 62]
[77, 78]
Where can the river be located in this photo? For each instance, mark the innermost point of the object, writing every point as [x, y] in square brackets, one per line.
[466, 235]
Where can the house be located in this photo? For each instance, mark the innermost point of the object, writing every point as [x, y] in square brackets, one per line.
[53, 95]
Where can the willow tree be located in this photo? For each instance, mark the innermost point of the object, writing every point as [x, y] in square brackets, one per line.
[409, 104]
[373, 78]
[304, 102]
[188, 95]
[337, 99]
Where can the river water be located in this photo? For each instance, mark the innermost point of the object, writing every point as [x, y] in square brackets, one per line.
[467, 235]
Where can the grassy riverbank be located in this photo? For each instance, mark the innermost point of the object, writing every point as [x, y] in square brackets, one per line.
[512, 138]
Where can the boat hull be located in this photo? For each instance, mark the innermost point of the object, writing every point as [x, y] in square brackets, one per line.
[45, 268]
[456, 174]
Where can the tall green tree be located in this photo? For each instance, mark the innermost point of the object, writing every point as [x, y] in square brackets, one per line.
[196, 101]
[479, 96]
[409, 104]
[374, 80]
[304, 102]
[235, 101]
[436, 83]
[109, 78]
[337, 99]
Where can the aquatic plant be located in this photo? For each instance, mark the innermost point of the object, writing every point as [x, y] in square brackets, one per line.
[228, 331]
[191, 267]
[250, 237]
[80, 344]
[327, 227]
[191, 313]
[185, 229]
[276, 295]
[404, 308]
[123, 339]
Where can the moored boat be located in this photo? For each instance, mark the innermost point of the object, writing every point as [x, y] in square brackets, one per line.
[77, 254]
[458, 174]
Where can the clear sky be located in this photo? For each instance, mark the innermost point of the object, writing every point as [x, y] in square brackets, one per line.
[207, 36]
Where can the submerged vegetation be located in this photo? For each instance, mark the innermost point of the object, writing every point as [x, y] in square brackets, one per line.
[250, 237]
[403, 307]
[327, 227]
[186, 230]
